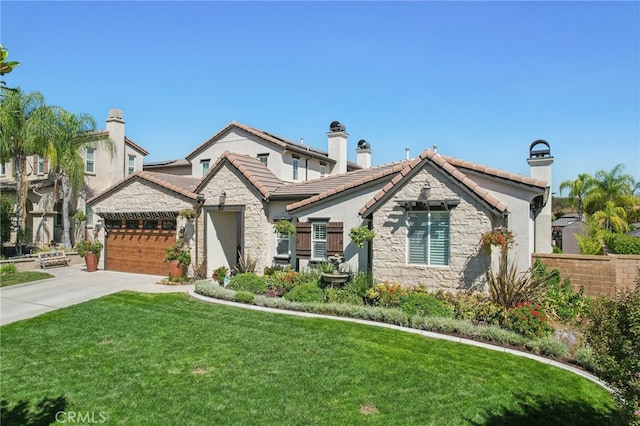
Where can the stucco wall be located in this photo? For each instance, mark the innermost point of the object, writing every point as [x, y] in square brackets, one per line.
[468, 221]
[344, 209]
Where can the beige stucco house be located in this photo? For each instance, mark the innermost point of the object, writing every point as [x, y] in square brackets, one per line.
[428, 213]
[102, 170]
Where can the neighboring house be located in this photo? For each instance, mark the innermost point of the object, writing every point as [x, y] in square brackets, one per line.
[565, 229]
[102, 170]
[428, 213]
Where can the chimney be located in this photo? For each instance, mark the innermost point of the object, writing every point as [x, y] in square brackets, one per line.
[540, 161]
[363, 153]
[115, 127]
[407, 155]
[338, 147]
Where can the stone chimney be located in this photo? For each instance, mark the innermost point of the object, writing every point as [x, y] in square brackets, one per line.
[363, 154]
[540, 161]
[338, 147]
[115, 127]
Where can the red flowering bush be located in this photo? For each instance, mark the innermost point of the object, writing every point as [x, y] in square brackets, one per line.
[385, 295]
[282, 282]
[499, 237]
[529, 320]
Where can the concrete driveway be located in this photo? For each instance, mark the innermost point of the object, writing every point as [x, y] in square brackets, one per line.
[72, 285]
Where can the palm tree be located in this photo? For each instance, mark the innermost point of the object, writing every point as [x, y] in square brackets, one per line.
[74, 133]
[609, 186]
[612, 218]
[578, 189]
[25, 129]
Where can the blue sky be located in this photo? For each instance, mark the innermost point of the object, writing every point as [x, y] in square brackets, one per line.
[482, 80]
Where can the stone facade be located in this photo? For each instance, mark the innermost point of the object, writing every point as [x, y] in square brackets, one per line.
[468, 220]
[136, 196]
[252, 221]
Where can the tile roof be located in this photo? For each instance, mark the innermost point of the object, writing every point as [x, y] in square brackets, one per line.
[448, 168]
[135, 146]
[479, 168]
[167, 163]
[276, 140]
[183, 185]
[319, 189]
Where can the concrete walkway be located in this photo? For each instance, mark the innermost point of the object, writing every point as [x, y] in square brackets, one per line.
[72, 285]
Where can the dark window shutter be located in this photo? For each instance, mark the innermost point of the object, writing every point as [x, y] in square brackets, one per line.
[303, 240]
[335, 237]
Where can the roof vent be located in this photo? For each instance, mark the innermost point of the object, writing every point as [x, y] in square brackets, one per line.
[336, 126]
[363, 144]
[539, 149]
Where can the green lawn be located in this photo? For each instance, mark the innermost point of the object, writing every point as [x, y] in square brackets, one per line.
[143, 359]
[22, 277]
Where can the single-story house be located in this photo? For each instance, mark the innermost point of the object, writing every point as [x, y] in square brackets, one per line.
[428, 213]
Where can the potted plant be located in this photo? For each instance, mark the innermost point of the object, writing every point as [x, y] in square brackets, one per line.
[219, 274]
[90, 250]
[188, 213]
[283, 226]
[360, 234]
[179, 258]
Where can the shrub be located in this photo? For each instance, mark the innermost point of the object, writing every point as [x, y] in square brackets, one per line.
[613, 333]
[585, 358]
[385, 295]
[359, 284]
[9, 268]
[248, 282]
[341, 295]
[560, 299]
[548, 345]
[622, 244]
[307, 293]
[418, 303]
[282, 282]
[473, 306]
[219, 274]
[528, 319]
[246, 264]
[244, 297]
[509, 287]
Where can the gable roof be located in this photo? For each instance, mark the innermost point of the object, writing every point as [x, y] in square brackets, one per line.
[447, 168]
[251, 168]
[278, 141]
[493, 172]
[319, 189]
[135, 146]
[181, 185]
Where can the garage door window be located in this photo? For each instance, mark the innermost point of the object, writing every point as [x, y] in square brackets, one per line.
[132, 224]
[150, 224]
[114, 224]
[169, 225]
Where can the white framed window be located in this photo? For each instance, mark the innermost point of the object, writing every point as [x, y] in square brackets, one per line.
[264, 159]
[428, 239]
[323, 170]
[131, 163]
[40, 165]
[282, 244]
[204, 165]
[89, 212]
[295, 164]
[90, 160]
[319, 240]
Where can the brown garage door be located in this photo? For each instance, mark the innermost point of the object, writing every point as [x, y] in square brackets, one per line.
[139, 245]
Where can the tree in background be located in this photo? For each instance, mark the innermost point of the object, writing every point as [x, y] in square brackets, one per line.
[6, 67]
[25, 129]
[7, 206]
[578, 189]
[611, 217]
[73, 134]
[611, 185]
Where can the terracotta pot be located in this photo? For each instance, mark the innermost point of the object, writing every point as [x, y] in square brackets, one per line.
[92, 262]
[176, 269]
